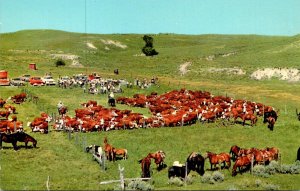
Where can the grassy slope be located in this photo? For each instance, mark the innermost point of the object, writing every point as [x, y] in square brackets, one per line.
[70, 168]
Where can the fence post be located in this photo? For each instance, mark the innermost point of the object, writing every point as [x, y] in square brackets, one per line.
[103, 161]
[122, 178]
[252, 158]
[48, 183]
[185, 176]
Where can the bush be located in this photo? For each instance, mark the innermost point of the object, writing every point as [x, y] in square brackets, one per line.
[273, 167]
[206, 178]
[285, 169]
[139, 185]
[258, 183]
[271, 187]
[218, 176]
[189, 180]
[260, 170]
[175, 181]
[60, 62]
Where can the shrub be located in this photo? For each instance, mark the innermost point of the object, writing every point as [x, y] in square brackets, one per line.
[189, 180]
[176, 181]
[258, 183]
[206, 178]
[60, 62]
[218, 176]
[260, 170]
[271, 187]
[285, 169]
[273, 167]
[139, 185]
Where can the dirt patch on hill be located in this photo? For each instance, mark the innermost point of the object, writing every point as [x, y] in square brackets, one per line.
[288, 74]
[91, 45]
[183, 68]
[115, 43]
[72, 57]
[235, 70]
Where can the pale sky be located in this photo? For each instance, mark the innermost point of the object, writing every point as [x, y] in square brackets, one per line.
[263, 17]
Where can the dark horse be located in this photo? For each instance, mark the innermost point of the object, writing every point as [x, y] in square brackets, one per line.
[194, 162]
[298, 154]
[18, 136]
[268, 114]
[111, 102]
[62, 111]
[145, 165]
[298, 114]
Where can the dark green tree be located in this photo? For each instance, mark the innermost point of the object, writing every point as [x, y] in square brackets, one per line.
[148, 49]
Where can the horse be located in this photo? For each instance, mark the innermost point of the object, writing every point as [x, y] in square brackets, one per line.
[145, 165]
[268, 114]
[13, 138]
[242, 162]
[111, 102]
[24, 137]
[298, 154]
[120, 152]
[62, 111]
[298, 114]
[9, 138]
[216, 159]
[195, 162]
[234, 151]
[271, 122]
[158, 157]
[108, 150]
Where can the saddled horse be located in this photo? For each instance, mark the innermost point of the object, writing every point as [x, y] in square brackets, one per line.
[120, 152]
[13, 138]
[216, 159]
[195, 162]
[158, 157]
[111, 102]
[62, 110]
[243, 163]
[145, 165]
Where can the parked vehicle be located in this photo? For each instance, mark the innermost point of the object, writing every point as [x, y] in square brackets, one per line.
[17, 82]
[36, 81]
[48, 81]
[25, 77]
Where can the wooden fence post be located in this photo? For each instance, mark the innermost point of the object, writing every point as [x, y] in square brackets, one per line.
[185, 176]
[252, 162]
[48, 183]
[122, 182]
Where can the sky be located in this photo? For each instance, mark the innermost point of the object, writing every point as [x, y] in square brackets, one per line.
[262, 17]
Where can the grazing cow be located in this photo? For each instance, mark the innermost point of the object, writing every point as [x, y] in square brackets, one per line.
[10, 108]
[298, 114]
[145, 166]
[5, 114]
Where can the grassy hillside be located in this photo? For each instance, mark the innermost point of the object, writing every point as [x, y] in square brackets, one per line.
[70, 168]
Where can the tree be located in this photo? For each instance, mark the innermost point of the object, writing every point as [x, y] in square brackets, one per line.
[148, 49]
[60, 62]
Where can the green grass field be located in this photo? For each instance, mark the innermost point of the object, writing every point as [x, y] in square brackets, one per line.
[70, 168]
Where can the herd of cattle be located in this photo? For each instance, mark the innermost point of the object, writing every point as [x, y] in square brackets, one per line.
[174, 108]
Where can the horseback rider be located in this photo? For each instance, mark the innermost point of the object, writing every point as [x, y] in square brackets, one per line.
[59, 105]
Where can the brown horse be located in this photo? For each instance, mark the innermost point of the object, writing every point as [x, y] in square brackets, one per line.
[120, 152]
[158, 157]
[18, 136]
[108, 150]
[216, 159]
[242, 162]
[62, 111]
[234, 151]
[24, 137]
[145, 165]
